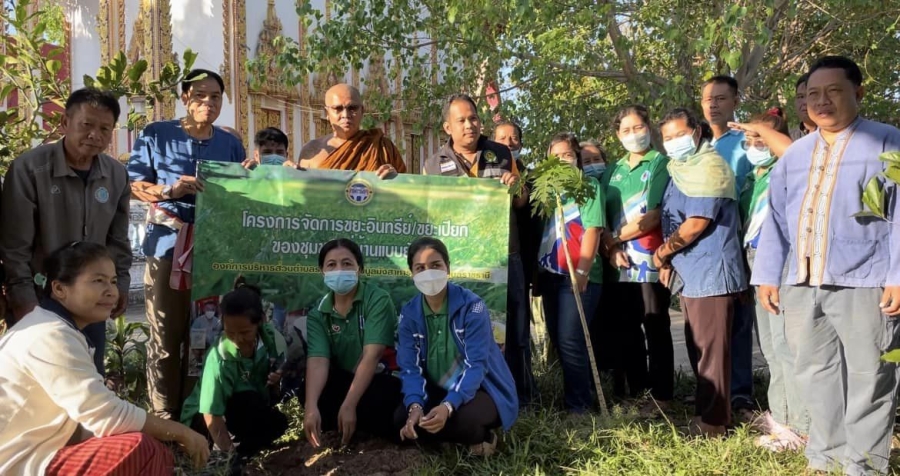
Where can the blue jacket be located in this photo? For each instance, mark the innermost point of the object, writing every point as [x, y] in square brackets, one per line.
[483, 363]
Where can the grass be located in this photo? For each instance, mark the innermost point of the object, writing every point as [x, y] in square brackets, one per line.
[548, 442]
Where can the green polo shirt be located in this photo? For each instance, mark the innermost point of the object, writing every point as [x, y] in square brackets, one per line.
[630, 193]
[442, 362]
[372, 320]
[226, 372]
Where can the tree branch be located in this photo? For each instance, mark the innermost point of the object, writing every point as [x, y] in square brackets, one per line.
[615, 36]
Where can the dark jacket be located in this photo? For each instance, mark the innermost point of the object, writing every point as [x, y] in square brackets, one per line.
[492, 161]
[46, 206]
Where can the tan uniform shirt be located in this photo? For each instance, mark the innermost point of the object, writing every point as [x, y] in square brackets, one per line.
[46, 205]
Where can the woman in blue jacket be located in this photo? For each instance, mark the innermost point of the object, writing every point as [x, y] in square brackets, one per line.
[456, 385]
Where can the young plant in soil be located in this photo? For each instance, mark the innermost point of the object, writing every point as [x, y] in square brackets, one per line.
[126, 359]
[549, 182]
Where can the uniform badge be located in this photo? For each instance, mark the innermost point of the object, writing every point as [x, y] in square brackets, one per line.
[54, 190]
[448, 166]
[645, 176]
[335, 328]
[101, 195]
[490, 157]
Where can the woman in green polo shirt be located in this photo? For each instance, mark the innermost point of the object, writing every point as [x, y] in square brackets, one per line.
[350, 336]
[233, 395]
[634, 188]
[457, 387]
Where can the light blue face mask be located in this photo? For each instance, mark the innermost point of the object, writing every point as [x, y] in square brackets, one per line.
[341, 282]
[272, 159]
[680, 148]
[594, 170]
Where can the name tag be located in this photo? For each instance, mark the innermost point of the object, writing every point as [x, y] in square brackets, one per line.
[448, 166]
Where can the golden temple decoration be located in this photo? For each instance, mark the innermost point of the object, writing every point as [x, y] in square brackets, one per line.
[271, 84]
[305, 133]
[289, 129]
[225, 67]
[120, 23]
[240, 56]
[103, 30]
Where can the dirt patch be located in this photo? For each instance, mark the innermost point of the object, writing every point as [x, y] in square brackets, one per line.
[373, 457]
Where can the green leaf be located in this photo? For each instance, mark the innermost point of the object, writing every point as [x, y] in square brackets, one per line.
[873, 197]
[54, 66]
[188, 58]
[137, 70]
[892, 173]
[892, 156]
[892, 356]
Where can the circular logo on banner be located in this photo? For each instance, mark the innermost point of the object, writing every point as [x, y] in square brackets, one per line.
[490, 157]
[102, 195]
[359, 192]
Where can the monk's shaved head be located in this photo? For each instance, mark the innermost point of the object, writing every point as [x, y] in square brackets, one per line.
[343, 104]
[338, 93]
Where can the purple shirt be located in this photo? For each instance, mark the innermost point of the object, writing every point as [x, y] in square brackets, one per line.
[814, 191]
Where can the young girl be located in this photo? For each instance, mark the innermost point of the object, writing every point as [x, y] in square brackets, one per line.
[233, 395]
[56, 415]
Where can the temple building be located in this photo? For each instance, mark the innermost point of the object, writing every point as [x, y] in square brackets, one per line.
[226, 34]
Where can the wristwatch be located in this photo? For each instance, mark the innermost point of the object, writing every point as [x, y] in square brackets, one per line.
[449, 408]
[166, 192]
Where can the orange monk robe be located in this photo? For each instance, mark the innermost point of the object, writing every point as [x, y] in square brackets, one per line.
[365, 152]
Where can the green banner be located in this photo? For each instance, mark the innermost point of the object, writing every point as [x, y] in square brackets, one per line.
[269, 224]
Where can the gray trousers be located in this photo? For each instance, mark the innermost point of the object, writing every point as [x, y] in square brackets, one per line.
[839, 335]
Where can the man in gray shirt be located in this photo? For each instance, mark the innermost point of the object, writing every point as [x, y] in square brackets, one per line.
[63, 192]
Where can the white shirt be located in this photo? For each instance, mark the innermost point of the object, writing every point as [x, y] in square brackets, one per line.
[48, 386]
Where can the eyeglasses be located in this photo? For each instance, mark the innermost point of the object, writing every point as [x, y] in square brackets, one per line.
[352, 109]
[758, 144]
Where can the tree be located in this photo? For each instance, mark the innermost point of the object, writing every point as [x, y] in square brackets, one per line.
[569, 64]
[34, 86]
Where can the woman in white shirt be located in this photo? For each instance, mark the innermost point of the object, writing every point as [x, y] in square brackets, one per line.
[56, 414]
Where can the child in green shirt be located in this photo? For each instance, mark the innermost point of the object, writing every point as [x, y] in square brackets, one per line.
[233, 394]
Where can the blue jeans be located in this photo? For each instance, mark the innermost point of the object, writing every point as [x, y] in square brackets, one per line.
[567, 335]
[518, 332]
[742, 355]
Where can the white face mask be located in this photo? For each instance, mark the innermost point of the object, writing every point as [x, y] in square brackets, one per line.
[209, 314]
[516, 154]
[636, 143]
[760, 158]
[431, 282]
[680, 148]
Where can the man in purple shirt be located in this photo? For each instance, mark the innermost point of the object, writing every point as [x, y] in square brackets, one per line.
[842, 291]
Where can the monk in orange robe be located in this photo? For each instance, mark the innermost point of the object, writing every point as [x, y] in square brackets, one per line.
[348, 147]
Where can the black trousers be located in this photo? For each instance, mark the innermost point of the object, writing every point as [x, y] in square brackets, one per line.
[374, 412]
[253, 423]
[470, 424]
[638, 327]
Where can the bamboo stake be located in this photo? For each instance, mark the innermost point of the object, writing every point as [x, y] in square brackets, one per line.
[560, 229]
